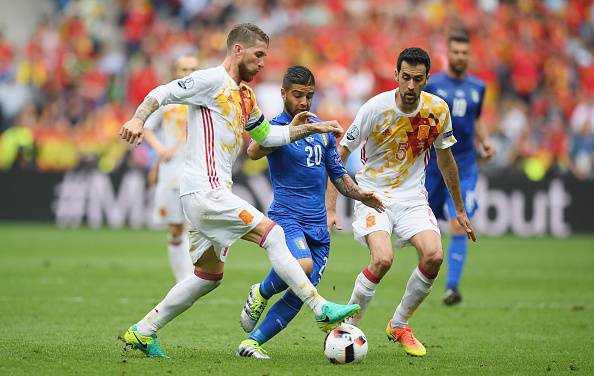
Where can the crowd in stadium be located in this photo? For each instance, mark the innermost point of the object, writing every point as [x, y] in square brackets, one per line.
[65, 93]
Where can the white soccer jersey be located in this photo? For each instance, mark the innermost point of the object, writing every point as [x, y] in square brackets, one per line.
[169, 124]
[219, 110]
[396, 145]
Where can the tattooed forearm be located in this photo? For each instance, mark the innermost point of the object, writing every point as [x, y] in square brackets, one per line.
[449, 171]
[301, 131]
[146, 108]
[347, 187]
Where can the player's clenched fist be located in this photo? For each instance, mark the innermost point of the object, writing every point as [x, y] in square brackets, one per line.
[133, 131]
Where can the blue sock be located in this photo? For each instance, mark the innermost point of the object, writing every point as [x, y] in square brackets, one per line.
[456, 257]
[277, 318]
[272, 284]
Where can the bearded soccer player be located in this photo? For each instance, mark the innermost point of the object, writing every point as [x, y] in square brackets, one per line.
[165, 131]
[397, 128]
[221, 107]
[298, 172]
[464, 95]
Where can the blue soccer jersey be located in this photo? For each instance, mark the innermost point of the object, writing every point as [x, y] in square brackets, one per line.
[465, 99]
[298, 172]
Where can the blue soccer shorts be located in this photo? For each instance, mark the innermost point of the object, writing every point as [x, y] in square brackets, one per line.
[308, 241]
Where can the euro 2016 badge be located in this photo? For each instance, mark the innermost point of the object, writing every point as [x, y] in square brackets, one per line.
[353, 133]
[186, 83]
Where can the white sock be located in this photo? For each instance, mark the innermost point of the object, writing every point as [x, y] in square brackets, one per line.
[417, 289]
[179, 257]
[287, 267]
[365, 286]
[180, 298]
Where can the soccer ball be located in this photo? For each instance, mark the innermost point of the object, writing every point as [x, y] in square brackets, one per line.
[345, 344]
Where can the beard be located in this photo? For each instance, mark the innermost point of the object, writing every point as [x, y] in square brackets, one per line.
[459, 68]
[408, 99]
[244, 74]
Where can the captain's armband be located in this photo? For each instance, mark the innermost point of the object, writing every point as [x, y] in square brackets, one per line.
[259, 130]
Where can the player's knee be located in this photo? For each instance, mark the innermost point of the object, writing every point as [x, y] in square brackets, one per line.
[383, 262]
[306, 265]
[434, 259]
[176, 234]
[176, 230]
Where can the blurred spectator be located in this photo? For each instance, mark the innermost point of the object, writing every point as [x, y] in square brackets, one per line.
[582, 128]
[86, 66]
[142, 79]
[6, 55]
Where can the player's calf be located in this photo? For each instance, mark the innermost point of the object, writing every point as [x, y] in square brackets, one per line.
[363, 291]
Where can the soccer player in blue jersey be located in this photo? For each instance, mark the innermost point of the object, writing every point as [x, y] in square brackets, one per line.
[298, 172]
[464, 95]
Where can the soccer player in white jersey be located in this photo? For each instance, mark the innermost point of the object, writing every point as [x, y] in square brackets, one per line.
[165, 131]
[221, 107]
[397, 128]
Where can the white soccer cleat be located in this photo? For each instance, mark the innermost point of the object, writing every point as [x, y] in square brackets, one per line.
[251, 349]
[253, 308]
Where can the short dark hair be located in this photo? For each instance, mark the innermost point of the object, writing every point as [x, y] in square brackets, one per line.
[459, 35]
[246, 33]
[298, 74]
[414, 56]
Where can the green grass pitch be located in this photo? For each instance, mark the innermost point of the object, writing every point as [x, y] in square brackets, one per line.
[66, 295]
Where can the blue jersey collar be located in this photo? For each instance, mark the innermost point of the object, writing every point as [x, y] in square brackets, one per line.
[282, 118]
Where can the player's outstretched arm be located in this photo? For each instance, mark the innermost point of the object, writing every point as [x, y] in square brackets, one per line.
[449, 171]
[347, 187]
[133, 130]
[269, 136]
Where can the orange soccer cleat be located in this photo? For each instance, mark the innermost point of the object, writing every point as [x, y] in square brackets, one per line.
[411, 345]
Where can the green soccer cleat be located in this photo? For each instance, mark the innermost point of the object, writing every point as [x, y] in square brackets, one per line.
[333, 314]
[251, 349]
[253, 308]
[147, 344]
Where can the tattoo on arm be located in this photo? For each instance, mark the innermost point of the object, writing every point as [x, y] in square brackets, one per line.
[347, 187]
[300, 131]
[146, 108]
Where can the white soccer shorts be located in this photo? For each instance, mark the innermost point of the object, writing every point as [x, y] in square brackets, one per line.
[217, 218]
[403, 220]
[168, 207]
